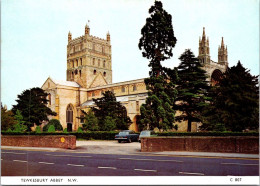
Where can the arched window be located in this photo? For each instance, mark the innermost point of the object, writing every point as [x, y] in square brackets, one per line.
[49, 99]
[123, 89]
[76, 72]
[72, 75]
[77, 64]
[93, 94]
[80, 61]
[95, 72]
[104, 63]
[104, 74]
[79, 73]
[93, 61]
[72, 64]
[69, 114]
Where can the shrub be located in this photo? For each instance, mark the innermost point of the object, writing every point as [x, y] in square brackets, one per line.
[80, 130]
[51, 128]
[65, 130]
[109, 124]
[38, 129]
[56, 124]
[20, 128]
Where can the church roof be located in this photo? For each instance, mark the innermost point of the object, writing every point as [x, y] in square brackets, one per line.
[65, 83]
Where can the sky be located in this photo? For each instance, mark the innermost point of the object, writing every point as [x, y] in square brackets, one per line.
[34, 36]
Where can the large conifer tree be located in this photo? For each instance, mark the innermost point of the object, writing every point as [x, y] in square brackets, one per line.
[156, 43]
[192, 89]
[32, 104]
[236, 104]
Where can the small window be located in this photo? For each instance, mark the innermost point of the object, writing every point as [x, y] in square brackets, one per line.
[93, 61]
[137, 106]
[72, 64]
[77, 63]
[81, 118]
[81, 61]
[76, 72]
[80, 73]
[104, 63]
[49, 99]
[123, 89]
[93, 94]
[95, 72]
[104, 74]
[134, 88]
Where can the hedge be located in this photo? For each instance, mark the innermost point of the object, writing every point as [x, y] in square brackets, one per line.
[110, 135]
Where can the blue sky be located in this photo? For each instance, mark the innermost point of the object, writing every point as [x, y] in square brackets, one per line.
[34, 35]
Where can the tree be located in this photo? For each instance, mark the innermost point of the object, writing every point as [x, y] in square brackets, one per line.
[192, 89]
[32, 104]
[237, 101]
[7, 119]
[108, 106]
[109, 124]
[56, 123]
[156, 44]
[90, 121]
[20, 123]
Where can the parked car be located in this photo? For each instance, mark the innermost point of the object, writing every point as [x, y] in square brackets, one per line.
[126, 135]
[146, 133]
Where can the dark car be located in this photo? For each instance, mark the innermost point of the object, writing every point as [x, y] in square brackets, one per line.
[146, 133]
[126, 135]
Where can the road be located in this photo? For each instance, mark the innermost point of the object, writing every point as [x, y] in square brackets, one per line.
[42, 163]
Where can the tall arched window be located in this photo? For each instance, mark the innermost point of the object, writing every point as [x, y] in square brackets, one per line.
[104, 63]
[69, 114]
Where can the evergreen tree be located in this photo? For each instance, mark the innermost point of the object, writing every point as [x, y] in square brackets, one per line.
[7, 119]
[90, 121]
[108, 106]
[237, 101]
[156, 44]
[32, 104]
[192, 89]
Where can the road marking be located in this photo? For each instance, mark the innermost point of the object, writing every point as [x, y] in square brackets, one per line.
[237, 164]
[13, 152]
[150, 160]
[145, 170]
[192, 173]
[46, 163]
[107, 167]
[20, 161]
[75, 165]
[68, 155]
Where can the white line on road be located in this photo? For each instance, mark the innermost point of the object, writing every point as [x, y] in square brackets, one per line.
[192, 173]
[20, 161]
[46, 163]
[145, 170]
[150, 160]
[14, 152]
[75, 165]
[68, 155]
[237, 164]
[107, 167]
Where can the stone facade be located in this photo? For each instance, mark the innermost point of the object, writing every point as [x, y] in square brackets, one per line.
[89, 74]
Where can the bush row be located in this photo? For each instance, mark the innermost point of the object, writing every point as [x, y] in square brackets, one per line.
[110, 135]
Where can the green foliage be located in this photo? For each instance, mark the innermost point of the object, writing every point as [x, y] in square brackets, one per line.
[109, 124]
[192, 89]
[38, 130]
[80, 130]
[33, 103]
[56, 124]
[20, 128]
[156, 43]
[20, 125]
[7, 119]
[208, 133]
[51, 128]
[157, 38]
[90, 121]
[65, 130]
[236, 101]
[108, 106]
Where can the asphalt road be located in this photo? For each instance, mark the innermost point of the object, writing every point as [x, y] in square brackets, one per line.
[42, 163]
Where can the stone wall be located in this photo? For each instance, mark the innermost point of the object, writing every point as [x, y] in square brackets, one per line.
[54, 141]
[232, 144]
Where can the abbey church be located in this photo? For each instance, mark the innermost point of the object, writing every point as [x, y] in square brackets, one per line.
[89, 74]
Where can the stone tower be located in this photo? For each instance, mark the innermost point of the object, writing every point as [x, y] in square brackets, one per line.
[222, 54]
[88, 57]
[204, 56]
